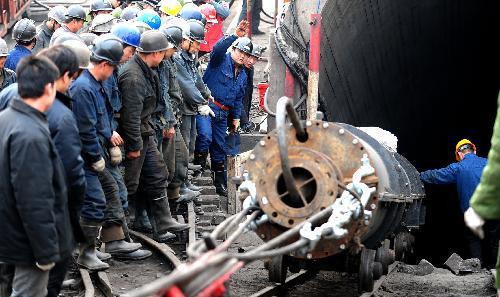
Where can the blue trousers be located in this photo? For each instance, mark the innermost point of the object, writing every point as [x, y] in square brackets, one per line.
[94, 204]
[122, 188]
[212, 134]
[188, 131]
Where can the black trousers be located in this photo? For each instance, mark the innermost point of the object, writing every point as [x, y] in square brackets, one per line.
[485, 250]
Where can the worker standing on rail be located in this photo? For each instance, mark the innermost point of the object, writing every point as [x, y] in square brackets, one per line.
[144, 165]
[227, 79]
[55, 19]
[466, 174]
[34, 215]
[75, 18]
[24, 33]
[7, 76]
[485, 202]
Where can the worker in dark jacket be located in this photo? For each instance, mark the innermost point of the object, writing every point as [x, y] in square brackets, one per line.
[227, 80]
[24, 33]
[466, 174]
[33, 199]
[140, 89]
[64, 133]
[75, 18]
[194, 91]
[7, 76]
[55, 19]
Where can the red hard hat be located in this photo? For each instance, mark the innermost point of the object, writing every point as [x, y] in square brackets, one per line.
[208, 10]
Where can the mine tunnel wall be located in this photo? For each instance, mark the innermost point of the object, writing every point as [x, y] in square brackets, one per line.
[426, 70]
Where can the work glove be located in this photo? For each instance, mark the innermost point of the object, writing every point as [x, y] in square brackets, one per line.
[98, 166]
[205, 110]
[116, 155]
[45, 267]
[474, 222]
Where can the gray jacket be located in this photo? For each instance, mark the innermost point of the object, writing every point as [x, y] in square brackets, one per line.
[43, 36]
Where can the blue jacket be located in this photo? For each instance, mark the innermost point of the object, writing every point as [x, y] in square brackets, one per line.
[114, 103]
[466, 174]
[163, 116]
[220, 78]
[89, 107]
[9, 77]
[193, 89]
[15, 55]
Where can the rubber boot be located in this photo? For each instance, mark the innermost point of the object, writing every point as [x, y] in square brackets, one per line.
[184, 190]
[102, 255]
[220, 179]
[162, 220]
[141, 222]
[200, 158]
[192, 187]
[88, 258]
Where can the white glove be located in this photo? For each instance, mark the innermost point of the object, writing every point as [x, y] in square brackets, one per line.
[116, 155]
[45, 267]
[99, 165]
[205, 110]
[474, 222]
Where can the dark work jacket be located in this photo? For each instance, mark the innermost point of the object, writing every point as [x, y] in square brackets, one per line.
[89, 107]
[114, 103]
[43, 36]
[226, 87]
[34, 215]
[194, 91]
[174, 90]
[163, 117]
[64, 133]
[9, 77]
[139, 87]
[247, 100]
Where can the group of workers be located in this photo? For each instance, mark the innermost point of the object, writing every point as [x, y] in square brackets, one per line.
[99, 115]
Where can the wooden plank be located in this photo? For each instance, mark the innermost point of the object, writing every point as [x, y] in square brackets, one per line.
[103, 284]
[291, 281]
[87, 283]
[163, 249]
[192, 223]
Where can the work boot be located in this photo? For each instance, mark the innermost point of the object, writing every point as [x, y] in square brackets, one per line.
[200, 158]
[190, 186]
[121, 247]
[194, 167]
[139, 254]
[142, 223]
[220, 182]
[173, 193]
[161, 218]
[102, 256]
[88, 258]
[184, 190]
[187, 197]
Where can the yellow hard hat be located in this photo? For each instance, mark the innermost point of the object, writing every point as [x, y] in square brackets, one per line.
[171, 7]
[462, 143]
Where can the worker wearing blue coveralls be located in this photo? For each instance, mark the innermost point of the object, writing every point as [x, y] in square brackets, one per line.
[226, 78]
[466, 174]
[24, 32]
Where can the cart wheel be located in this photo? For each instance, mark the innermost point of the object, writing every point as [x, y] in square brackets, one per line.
[278, 269]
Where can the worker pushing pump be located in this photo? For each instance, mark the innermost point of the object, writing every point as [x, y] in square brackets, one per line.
[466, 174]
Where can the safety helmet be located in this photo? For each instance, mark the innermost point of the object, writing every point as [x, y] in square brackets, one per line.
[65, 36]
[150, 17]
[81, 50]
[24, 30]
[107, 47]
[174, 35]
[129, 13]
[4, 50]
[153, 41]
[100, 5]
[208, 10]
[58, 13]
[196, 31]
[88, 38]
[153, 3]
[127, 33]
[143, 27]
[191, 12]
[463, 144]
[181, 23]
[76, 11]
[244, 44]
[258, 50]
[102, 23]
[171, 7]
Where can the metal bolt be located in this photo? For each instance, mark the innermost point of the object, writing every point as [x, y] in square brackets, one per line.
[341, 131]
[355, 141]
[406, 184]
[252, 157]
[309, 123]
[264, 200]
[262, 143]
[325, 125]
[373, 206]
[309, 256]
[342, 246]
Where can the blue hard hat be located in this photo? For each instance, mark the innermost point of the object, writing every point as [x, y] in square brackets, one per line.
[191, 13]
[127, 33]
[149, 17]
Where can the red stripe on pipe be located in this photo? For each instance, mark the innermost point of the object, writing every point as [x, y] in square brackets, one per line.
[289, 84]
[314, 54]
